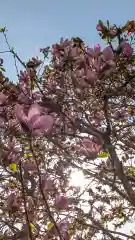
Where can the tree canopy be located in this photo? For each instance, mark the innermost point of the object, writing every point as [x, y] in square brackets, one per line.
[74, 114]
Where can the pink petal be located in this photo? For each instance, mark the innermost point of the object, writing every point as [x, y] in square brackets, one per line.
[97, 49]
[128, 50]
[91, 76]
[90, 51]
[90, 147]
[74, 52]
[3, 99]
[34, 119]
[15, 203]
[44, 123]
[80, 73]
[64, 43]
[99, 28]
[97, 64]
[107, 54]
[87, 143]
[83, 151]
[34, 110]
[97, 148]
[20, 115]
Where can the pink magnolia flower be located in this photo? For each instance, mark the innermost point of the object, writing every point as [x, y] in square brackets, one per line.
[107, 54]
[87, 143]
[11, 154]
[89, 148]
[93, 52]
[13, 157]
[97, 63]
[90, 51]
[99, 28]
[24, 76]
[3, 99]
[55, 51]
[91, 76]
[127, 50]
[64, 43]
[34, 122]
[97, 50]
[74, 52]
[61, 202]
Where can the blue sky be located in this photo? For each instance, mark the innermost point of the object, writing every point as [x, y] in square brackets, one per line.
[35, 24]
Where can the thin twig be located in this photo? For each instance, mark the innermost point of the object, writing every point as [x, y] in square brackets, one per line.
[42, 193]
[24, 200]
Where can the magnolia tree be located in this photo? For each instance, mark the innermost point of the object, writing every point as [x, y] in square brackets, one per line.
[76, 113]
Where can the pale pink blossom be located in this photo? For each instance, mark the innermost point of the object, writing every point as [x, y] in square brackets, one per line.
[127, 50]
[3, 99]
[97, 50]
[91, 76]
[88, 148]
[107, 54]
[99, 28]
[34, 122]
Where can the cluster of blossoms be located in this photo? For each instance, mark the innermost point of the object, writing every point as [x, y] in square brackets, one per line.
[77, 111]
